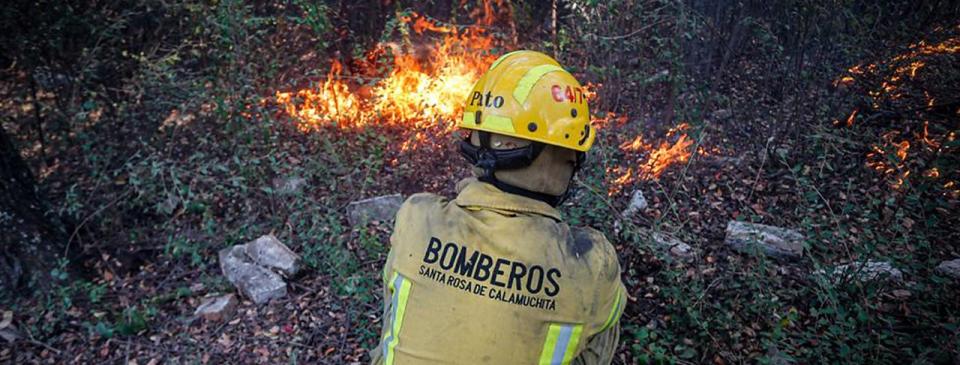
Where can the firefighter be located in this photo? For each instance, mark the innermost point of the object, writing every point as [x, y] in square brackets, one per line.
[495, 276]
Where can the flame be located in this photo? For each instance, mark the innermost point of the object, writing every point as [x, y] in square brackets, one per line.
[624, 179]
[332, 102]
[636, 145]
[850, 119]
[845, 80]
[667, 155]
[948, 46]
[709, 151]
[679, 128]
[656, 161]
[902, 149]
[426, 86]
[421, 24]
[603, 122]
[932, 142]
[413, 92]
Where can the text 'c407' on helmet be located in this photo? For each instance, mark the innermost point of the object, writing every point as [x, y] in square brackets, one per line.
[527, 95]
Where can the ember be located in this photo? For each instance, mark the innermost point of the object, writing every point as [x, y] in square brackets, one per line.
[886, 83]
[905, 66]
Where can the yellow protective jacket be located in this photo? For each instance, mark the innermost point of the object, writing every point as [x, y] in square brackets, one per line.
[496, 278]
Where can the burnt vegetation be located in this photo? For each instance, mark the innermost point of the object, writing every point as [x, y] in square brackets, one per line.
[139, 138]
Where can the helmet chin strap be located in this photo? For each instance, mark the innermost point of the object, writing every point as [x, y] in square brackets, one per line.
[486, 159]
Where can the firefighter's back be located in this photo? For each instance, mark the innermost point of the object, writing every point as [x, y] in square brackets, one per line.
[496, 278]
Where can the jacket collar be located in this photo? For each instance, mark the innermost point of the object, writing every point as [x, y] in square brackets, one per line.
[474, 193]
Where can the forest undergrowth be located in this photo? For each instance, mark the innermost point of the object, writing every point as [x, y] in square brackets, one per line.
[157, 134]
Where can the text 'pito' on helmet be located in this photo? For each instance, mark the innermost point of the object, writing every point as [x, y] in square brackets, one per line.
[528, 95]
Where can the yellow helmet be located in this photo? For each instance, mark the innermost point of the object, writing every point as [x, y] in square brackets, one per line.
[527, 95]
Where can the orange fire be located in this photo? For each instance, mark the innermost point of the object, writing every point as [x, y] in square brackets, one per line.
[916, 50]
[636, 145]
[610, 117]
[427, 84]
[655, 163]
[925, 137]
[850, 119]
[666, 155]
[890, 156]
[331, 103]
[425, 92]
[422, 90]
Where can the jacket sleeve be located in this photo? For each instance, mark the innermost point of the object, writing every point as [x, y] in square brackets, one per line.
[376, 355]
[611, 301]
[601, 347]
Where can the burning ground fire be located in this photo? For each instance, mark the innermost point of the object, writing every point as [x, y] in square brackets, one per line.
[898, 150]
[656, 162]
[417, 92]
[426, 89]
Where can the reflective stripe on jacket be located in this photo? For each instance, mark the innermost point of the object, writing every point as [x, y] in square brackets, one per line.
[496, 278]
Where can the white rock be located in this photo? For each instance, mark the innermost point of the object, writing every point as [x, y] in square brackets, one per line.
[772, 241]
[289, 186]
[868, 271]
[8, 331]
[674, 246]
[777, 357]
[381, 208]
[231, 259]
[637, 203]
[257, 283]
[10, 334]
[950, 268]
[657, 76]
[721, 115]
[169, 204]
[269, 252]
[217, 308]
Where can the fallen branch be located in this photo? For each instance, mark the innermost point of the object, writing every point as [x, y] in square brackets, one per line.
[35, 342]
[628, 35]
[76, 230]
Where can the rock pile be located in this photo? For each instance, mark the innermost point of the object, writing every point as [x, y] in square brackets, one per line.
[253, 268]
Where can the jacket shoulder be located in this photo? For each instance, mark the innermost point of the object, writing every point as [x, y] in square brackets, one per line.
[609, 299]
[420, 201]
[416, 205]
[411, 214]
[586, 239]
[593, 245]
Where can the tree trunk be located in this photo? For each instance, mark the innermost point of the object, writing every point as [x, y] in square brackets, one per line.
[30, 240]
[553, 27]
